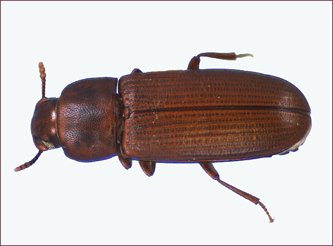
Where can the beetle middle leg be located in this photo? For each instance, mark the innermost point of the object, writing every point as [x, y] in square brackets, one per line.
[195, 61]
[136, 70]
[148, 167]
[211, 171]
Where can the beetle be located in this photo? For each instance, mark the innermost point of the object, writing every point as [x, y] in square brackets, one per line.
[195, 116]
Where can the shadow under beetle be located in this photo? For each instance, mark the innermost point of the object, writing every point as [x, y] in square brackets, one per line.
[196, 115]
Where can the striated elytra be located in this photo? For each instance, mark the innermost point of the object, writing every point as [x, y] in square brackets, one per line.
[198, 116]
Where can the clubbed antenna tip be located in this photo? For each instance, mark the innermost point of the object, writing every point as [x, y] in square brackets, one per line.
[43, 77]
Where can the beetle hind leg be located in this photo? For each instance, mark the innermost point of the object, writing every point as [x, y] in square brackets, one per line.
[195, 61]
[211, 171]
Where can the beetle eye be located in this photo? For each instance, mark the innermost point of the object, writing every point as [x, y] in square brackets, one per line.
[42, 144]
[48, 145]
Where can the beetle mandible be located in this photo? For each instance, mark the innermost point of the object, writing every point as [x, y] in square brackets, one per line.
[196, 116]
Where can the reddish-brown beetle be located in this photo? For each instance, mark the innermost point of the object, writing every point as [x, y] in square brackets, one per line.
[195, 115]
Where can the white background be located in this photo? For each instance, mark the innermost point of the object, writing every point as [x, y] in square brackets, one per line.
[61, 201]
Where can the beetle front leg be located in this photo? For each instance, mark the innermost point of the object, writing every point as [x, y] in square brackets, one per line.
[211, 171]
[126, 162]
[195, 61]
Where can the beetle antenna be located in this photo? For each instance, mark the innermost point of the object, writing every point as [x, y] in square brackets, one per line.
[29, 163]
[43, 77]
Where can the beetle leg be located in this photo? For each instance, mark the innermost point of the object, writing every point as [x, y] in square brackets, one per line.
[148, 167]
[136, 70]
[126, 162]
[211, 171]
[195, 61]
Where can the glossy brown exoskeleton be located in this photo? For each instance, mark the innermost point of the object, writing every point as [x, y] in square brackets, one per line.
[199, 116]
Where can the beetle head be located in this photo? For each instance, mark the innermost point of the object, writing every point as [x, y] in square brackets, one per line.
[44, 123]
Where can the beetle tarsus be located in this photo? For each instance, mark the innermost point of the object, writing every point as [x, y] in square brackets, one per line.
[264, 208]
[244, 55]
